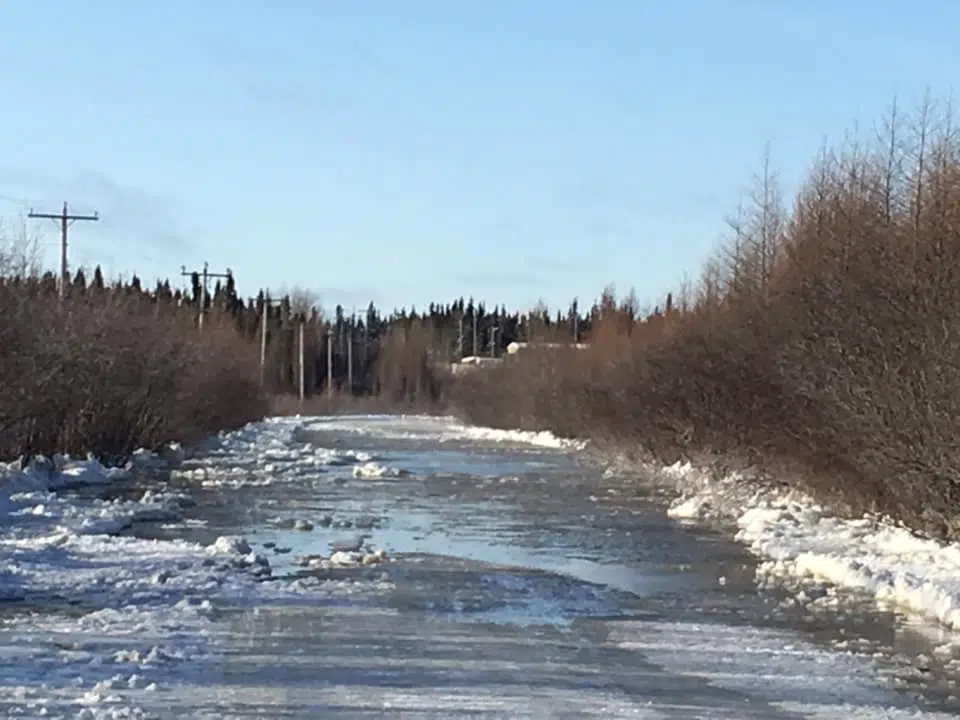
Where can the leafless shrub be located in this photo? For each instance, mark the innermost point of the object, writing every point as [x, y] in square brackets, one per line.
[19, 249]
[825, 339]
[406, 374]
[109, 370]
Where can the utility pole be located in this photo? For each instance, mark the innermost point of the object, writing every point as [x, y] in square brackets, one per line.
[365, 357]
[303, 375]
[459, 337]
[66, 220]
[329, 360]
[353, 326]
[473, 312]
[205, 276]
[264, 315]
[493, 341]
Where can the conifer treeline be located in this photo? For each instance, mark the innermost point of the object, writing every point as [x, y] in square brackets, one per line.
[400, 356]
[397, 352]
[373, 352]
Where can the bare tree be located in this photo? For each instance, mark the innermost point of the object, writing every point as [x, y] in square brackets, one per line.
[303, 301]
[19, 249]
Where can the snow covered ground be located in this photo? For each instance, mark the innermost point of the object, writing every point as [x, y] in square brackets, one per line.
[96, 624]
[106, 611]
[100, 622]
[791, 675]
[797, 539]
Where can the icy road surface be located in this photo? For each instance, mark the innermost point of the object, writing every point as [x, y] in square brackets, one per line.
[517, 583]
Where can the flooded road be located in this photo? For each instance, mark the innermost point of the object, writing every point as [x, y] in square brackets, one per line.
[519, 582]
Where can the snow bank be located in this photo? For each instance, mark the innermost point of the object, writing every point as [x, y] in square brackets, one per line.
[538, 439]
[442, 429]
[796, 538]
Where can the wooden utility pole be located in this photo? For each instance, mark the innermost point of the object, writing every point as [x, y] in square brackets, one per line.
[263, 337]
[66, 220]
[264, 315]
[350, 361]
[302, 363]
[329, 360]
[473, 312]
[459, 337]
[352, 337]
[366, 340]
[205, 276]
[575, 321]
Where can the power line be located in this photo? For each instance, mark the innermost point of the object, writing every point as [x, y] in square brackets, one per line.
[23, 202]
[66, 220]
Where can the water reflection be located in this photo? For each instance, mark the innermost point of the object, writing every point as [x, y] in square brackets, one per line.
[506, 538]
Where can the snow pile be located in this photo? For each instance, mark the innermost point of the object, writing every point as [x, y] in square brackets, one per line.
[264, 454]
[898, 568]
[59, 471]
[706, 496]
[443, 429]
[171, 456]
[542, 439]
[343, 559]
[339, 458]
[372, 470]
[796, 538]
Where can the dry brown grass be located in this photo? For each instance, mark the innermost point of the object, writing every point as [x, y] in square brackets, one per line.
[824, 338]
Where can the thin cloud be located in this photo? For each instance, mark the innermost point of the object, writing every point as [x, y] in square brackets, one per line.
[262, 73]
[129, 210]
[133, 212]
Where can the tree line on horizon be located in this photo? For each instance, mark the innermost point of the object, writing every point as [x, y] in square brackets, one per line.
[399, 354]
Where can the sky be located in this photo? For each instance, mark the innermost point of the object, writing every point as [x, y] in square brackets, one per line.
[409, 151]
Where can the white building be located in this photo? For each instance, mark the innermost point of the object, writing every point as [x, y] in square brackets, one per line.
[515, 347]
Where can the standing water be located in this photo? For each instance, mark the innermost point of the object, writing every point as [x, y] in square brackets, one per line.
[513, 581]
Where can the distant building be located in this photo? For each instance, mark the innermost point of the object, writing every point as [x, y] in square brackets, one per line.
[473, 362]
[515, 347]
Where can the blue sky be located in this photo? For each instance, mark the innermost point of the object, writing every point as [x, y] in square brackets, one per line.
[414, 150]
